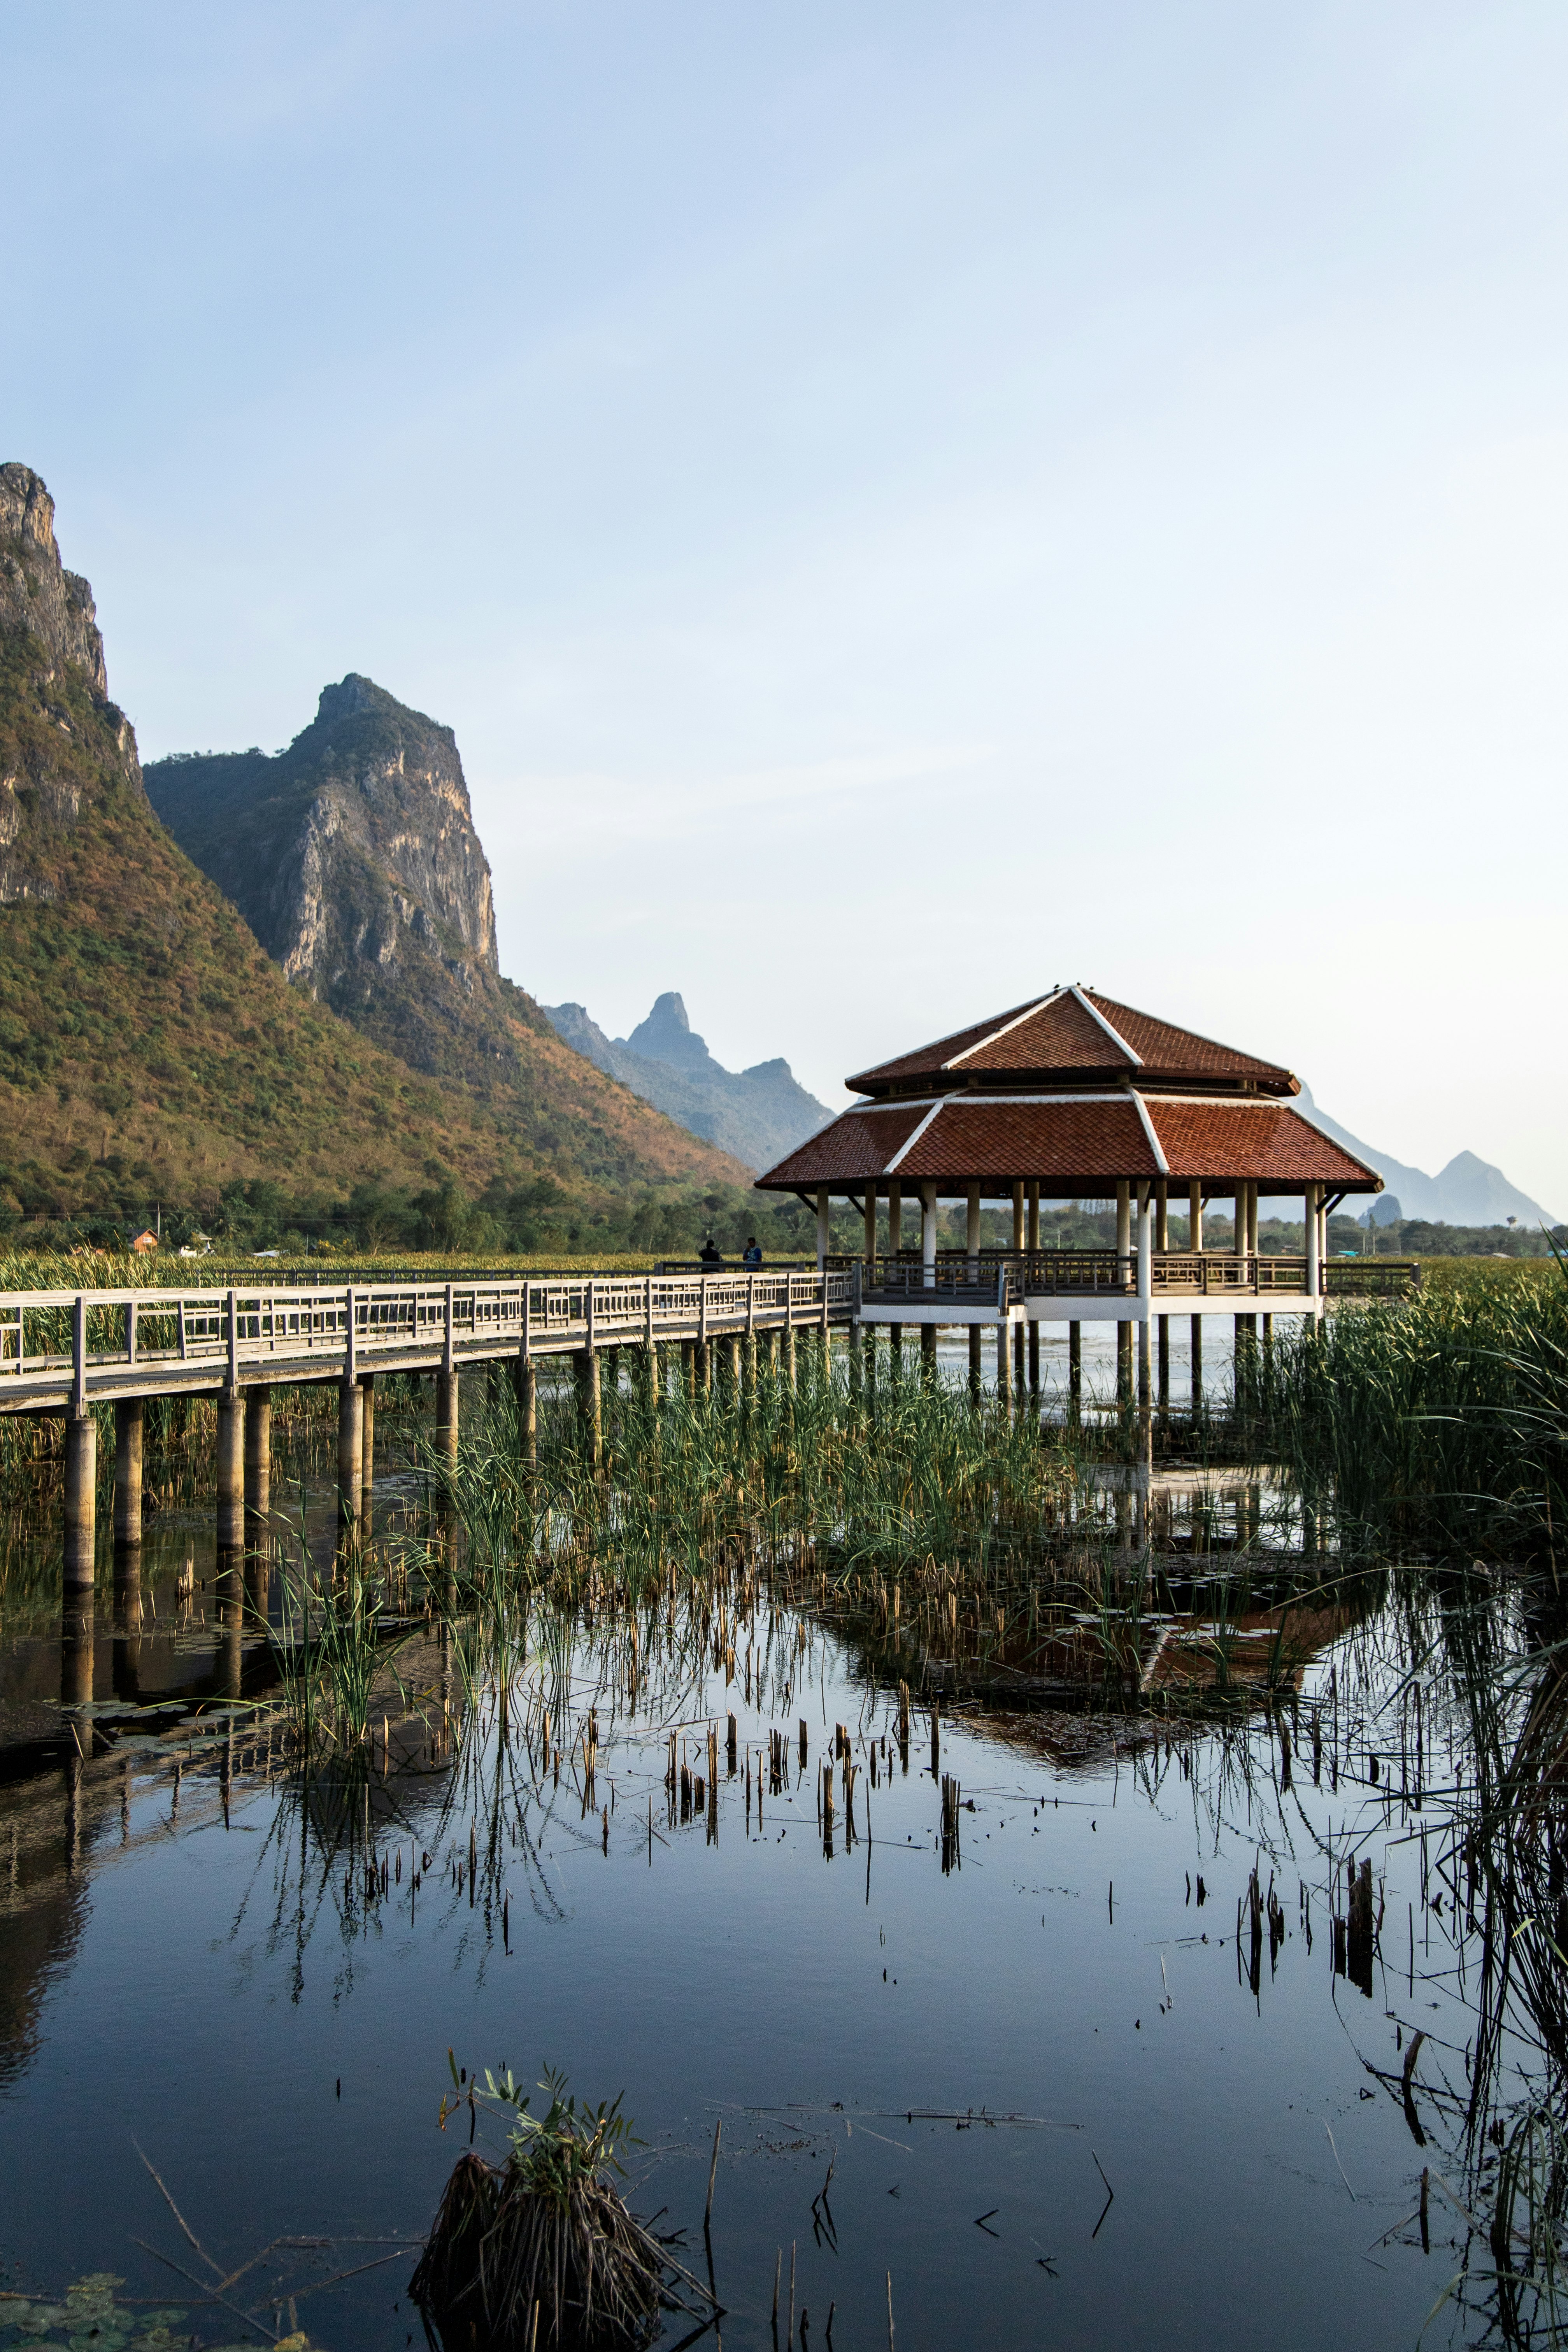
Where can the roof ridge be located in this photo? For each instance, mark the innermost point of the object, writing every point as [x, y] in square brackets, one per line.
[1114, 1034]
[1014, 1020]
[1204, 1039]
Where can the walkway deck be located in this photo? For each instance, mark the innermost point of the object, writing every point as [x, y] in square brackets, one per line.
[61, 1350]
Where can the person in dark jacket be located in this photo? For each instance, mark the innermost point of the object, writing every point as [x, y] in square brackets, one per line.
[711, 1253]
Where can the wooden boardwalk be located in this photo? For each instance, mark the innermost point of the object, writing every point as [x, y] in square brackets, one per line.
[63, 1351]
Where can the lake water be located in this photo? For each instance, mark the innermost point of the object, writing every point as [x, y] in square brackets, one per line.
[1057, 2105]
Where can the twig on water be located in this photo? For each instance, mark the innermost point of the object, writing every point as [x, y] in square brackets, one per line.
[215, 2267]
[206, 2293]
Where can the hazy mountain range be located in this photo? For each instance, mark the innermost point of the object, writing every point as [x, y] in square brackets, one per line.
[1468, 1192]
[757, 1115]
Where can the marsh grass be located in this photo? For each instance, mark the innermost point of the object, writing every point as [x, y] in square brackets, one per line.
[542, 2248]
[1441, 1423]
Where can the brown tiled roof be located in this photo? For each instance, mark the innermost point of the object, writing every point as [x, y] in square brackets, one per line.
[856, 1148]
[1068, 1142]
[1074, 1148]
[1262, 1142]
[1059, 1036]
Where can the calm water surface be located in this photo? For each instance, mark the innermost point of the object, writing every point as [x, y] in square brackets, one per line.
[1055, 2108]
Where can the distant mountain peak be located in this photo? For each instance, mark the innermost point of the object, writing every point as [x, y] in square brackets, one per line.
[757, 1114]
[1469, 1191]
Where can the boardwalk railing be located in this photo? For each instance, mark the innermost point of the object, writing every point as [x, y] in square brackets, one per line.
[999, 1276]
[64, 1347]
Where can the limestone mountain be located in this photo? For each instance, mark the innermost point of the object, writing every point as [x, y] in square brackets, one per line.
[757, 1114]
[149, 1048]
[353, 856]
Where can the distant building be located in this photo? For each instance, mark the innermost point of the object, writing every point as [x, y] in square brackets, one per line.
[144, 1244]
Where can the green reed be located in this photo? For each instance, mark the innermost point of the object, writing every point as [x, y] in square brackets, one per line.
[1441, 1422]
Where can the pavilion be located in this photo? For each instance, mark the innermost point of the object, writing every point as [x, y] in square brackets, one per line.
[1075, 1097]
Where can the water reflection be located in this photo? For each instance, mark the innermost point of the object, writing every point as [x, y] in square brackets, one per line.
[1175, 1855]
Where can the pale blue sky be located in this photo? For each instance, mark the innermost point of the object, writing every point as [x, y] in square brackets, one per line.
[903, 505]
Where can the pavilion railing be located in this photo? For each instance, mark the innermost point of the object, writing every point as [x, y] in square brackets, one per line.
[1081, 1273]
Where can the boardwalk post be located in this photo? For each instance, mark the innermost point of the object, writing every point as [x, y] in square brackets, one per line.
[129, 1423]
[351, 1452]
[1075, 1369]
[257, 1463]
[230, 1471]
[367, 1441]
[1197, 1355]
[1162, 1245]
[1004, 1342]
[448, 1401]
[81, 1461]
[589, 1423]
[528, 1385]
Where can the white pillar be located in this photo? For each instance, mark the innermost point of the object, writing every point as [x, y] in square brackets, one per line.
[928, 1234]
[1018, 1218]
[1309, 1227]
[1195, 1217]
[1252, 1220]
[971, 1233]
[1123, 1221]
[1145, 1244]
[1238, 1222]
[821, 1230]
[1033, 1237]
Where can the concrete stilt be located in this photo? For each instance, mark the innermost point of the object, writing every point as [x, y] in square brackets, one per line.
[527, 1381]
[129, 1422]
[1075, 1369]
[230, 1472]
[257, 1463]
[895, 1350]
[1163, 1330]
[589, 1423]
[1197, 1355]
[733, 1368]
[1035, 1342]
[1124, 1363]
[81, 1498]
[1143, 1378]
[1019, 1348]
[367, 1440]
[447, 1407]
[351, 1452]
[701, 1367]
[976, 1361]
[1003, 1367]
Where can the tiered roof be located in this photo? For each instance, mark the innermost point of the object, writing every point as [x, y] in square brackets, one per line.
[1080, 1093]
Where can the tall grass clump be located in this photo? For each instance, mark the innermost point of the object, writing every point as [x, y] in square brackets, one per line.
[828, 1476]
[541, 2250]
[1442, 1421]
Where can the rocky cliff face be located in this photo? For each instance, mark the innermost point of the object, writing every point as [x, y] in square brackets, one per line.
[38, 594]
[353, 858]
[757, 1114]
[353, 854]
[63, 744]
